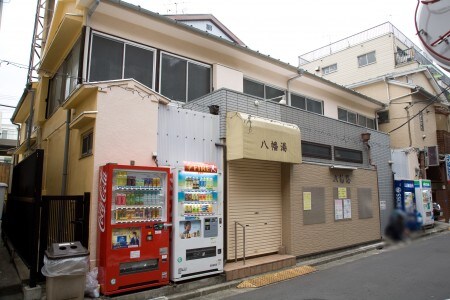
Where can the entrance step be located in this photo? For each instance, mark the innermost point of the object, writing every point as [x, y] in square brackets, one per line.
[259, 265]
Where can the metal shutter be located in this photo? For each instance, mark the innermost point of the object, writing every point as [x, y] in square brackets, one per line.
[254, 199]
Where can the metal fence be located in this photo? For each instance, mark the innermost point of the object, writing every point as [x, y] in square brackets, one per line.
[33, 222]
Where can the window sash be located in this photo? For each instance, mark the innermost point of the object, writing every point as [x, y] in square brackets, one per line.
[366, 59]
[329, 69]
[316, 150]
[109, 60]
[348, 155]
[87, 143]
[183, 80]
[307, 104]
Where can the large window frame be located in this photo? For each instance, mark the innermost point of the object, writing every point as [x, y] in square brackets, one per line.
[367, 59]
[190, 64]
[267, 92]
[125, 43]
[306, 103]
[355, 118]
[66, 78]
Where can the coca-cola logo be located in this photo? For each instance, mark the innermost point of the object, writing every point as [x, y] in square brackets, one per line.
[101, 216]
[103, 181]
[103, 178]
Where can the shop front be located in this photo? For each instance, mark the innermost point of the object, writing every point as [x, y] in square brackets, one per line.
[257, 149]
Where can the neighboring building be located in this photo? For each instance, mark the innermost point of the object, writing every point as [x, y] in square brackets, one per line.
[8, 140]
[384, 64]
[118, 83]
[209, 24]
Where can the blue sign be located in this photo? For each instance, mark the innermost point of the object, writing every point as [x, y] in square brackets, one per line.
[447, 167]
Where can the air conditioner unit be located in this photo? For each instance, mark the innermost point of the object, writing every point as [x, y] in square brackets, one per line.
[431, 156]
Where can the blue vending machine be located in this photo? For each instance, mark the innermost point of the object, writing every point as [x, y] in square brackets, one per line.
[404, 195]
[404, 192]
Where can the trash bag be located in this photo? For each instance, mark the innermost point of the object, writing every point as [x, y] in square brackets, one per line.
[92, 287]
[65, 266]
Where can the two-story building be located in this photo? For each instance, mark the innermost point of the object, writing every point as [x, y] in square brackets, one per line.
[383, 63]
[119, 83]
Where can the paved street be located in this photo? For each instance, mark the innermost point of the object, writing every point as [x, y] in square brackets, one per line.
[420, 270]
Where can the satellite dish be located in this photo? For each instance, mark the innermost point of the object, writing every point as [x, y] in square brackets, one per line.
[433, 29]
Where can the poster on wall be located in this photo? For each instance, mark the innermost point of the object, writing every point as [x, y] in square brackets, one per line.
[347, 209]
[342, 193]
[338, 212]
[306, 200]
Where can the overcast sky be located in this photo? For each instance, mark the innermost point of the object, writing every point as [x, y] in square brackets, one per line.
[283, 29]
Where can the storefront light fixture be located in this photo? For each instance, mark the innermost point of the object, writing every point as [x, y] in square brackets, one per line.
[340, 167]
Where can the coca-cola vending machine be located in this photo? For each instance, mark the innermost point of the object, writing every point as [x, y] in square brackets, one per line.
[133, 233]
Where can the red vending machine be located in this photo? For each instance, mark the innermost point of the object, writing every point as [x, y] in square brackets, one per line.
[133, 214]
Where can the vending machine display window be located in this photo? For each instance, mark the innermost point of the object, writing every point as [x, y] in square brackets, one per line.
[126, 237]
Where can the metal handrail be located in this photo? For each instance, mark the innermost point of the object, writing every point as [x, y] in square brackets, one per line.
[235, 240]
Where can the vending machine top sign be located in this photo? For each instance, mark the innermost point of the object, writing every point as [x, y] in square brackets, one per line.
[199, 167]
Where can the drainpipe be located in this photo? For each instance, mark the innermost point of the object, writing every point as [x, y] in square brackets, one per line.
[66, 154]
[31, 117]
[225, 195]
[300, 73]
[409, 125]
[93, 7]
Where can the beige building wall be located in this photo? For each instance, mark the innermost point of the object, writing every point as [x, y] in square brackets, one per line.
[301, 239]
[348, 70]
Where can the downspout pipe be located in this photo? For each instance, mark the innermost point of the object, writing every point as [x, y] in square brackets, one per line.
[93, 7]
[66, 154]
[300, 73]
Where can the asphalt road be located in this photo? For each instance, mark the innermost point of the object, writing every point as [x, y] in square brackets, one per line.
[420, 270]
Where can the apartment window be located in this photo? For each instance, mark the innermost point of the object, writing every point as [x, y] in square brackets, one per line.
[115, 59]
[87, 143]
[65, 79]
[184, 80]
[329, 69]
[262, 90]
[316, 150]
[354, 118]
[208, 27]
[366, 59]
[350, 155]
[307, 104]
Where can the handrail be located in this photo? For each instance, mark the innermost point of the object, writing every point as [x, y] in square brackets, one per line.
[235, 240]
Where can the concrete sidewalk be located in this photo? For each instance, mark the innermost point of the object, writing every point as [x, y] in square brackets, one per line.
[11, 284]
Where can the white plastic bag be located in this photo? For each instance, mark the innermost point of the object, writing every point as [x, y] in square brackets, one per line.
[92, 287]
[65, 266]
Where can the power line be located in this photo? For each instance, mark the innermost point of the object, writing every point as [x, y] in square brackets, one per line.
[433, 100]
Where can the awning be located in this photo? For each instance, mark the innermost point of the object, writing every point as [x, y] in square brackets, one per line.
[254, 137]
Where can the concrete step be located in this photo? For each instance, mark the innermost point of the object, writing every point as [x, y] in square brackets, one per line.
[259, 265]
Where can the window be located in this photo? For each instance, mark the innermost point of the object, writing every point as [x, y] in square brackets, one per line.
[329, 69]
[354, 118]
[4, 134]
[208, 27]
[262, 90]
[115, 59]
[307, 104]
[366, 59]
[316, 150]
[65, 79]
[184, 80]
[350, 155]
[86, 143]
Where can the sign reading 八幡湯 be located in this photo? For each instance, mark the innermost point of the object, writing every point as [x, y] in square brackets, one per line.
[254, 137]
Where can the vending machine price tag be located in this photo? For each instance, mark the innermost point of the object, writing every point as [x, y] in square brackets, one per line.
[157, 231]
